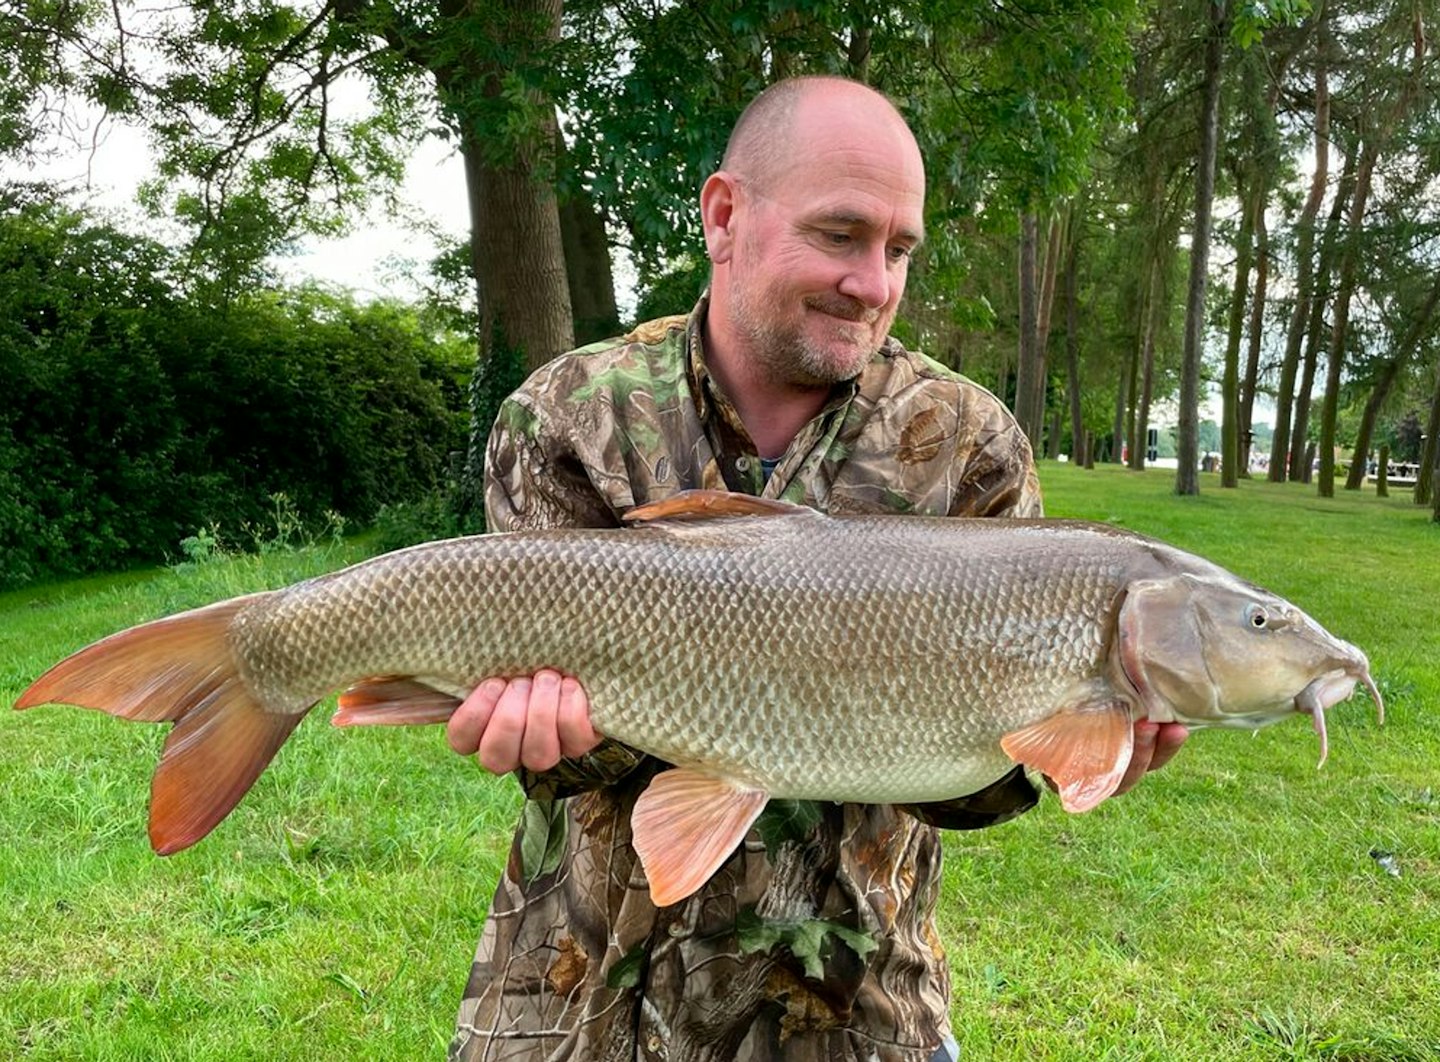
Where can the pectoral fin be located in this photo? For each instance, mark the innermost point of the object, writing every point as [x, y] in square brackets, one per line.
[1084, 750]
[393, 700]
[685, 825]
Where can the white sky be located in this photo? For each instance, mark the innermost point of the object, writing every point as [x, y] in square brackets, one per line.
[365, 261]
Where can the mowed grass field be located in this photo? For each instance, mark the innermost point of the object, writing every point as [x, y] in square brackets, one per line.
[1238, 905]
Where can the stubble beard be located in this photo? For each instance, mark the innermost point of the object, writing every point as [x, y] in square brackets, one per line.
[787, 355]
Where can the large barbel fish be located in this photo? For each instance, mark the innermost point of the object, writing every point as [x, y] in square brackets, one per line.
[762, 648]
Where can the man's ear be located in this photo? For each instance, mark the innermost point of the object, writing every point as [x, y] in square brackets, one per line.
[717, 214]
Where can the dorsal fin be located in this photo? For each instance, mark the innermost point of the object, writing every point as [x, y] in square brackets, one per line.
[712, 504]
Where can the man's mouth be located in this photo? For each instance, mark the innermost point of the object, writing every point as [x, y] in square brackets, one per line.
[843, 309]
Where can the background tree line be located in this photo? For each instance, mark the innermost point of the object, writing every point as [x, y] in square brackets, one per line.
[1116, 186]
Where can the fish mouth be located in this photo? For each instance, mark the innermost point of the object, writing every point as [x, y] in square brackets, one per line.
[1329, 690]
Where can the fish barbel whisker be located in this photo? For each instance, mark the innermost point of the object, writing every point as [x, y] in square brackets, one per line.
[1329, 690]
[1374, 692]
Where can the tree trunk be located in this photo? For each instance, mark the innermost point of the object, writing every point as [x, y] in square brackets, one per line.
[1252, 359]
[1304, 265]
[1340, 315]
[857, 53]
[1124, 403]
[1028, 372]
[1425, 482]
[1050, 273]
[1434, 478]
[589, 277]
[1314, 329]
[1140, 425]
[1054, 247]
[1371, 144]
[516, 250]
[1385, 380]
[1230, 385]
[1187, 477]
[1382, 473]
[519, 261]
[1072, 347]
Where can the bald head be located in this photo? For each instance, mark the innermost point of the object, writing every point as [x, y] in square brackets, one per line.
[809, 226]
[764, 141]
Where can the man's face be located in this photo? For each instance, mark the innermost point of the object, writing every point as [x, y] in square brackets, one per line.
[822, 249]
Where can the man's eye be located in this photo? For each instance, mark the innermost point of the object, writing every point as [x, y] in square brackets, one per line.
[899, 253]
[837, 239]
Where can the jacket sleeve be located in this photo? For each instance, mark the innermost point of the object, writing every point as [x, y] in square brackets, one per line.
[994, 467]
[534, 481]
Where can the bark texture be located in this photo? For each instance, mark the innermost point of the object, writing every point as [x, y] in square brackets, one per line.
[1305, 273]
[1029, 363]
[1187, 477]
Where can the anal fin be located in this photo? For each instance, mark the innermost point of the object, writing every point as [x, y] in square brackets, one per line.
[686, 824]
[393, 700]
[1083, 749]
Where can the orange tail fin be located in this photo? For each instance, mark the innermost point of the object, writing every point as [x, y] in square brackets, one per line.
[179, 669]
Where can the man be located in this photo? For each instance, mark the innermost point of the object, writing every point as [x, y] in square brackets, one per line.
[816, 940]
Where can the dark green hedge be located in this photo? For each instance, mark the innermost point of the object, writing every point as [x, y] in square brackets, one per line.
[132, 414]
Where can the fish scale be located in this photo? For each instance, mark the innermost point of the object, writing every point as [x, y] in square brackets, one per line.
[808, 630]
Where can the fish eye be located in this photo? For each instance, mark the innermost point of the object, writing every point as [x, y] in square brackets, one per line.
[1257, 617]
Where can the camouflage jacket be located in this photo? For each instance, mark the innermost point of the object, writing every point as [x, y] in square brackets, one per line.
[817, 940]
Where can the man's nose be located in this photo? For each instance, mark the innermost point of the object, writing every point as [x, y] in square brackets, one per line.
[868, 279]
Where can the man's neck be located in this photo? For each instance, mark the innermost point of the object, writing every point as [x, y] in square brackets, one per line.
[773, 412]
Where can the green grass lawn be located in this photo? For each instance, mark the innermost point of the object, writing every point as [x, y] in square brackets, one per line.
[1230, 908]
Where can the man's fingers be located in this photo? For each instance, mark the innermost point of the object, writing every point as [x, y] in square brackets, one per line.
[528, 722]
[577, 736]
[1155, 744]
[1140, 756]
[500, 744]
[540, 748]
[1167, 743]
[470, 719]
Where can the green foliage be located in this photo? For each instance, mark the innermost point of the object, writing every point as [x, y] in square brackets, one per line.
[1250, 18]
[133, 414]
[1007, 101]
[34, 35]
[431, 516]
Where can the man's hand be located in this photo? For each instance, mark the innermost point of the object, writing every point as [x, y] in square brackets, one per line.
[529, 722]
[1155, 743]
